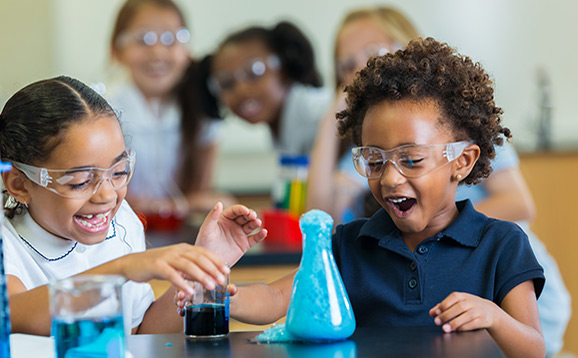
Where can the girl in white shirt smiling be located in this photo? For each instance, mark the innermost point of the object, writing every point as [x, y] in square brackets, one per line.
[67, 215]
[174, 131]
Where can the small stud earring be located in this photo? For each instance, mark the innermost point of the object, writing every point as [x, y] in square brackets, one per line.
[25, 204]
[459, 177]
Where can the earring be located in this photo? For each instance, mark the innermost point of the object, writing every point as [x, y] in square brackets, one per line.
[11, 202]
[25, 204]
[459, 177]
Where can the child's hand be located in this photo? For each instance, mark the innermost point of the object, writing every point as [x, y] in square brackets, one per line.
[180, 296]
[463, 312]
[231, 232]
[176, 263]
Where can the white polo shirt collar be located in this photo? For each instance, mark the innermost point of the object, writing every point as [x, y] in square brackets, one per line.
[46, 245]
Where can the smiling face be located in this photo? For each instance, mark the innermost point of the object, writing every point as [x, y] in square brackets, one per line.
[155, 69]
[93, 142]
[356, 42]
[420, 207]
[255, 100]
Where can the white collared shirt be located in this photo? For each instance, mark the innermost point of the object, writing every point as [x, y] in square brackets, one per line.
[36, 257]
[153, 131]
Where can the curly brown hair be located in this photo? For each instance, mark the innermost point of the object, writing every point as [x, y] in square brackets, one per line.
[429, 70]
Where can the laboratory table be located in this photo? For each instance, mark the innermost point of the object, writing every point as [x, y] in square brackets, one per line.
[406, 342]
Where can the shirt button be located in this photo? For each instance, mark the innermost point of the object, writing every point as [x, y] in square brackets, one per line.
[413, 266]
[412, 283]
[422, 250]
[81, 249]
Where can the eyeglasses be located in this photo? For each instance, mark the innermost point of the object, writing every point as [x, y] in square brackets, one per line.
[144, 37]
[411, 161]
[251, 71]
[351, 63]
[80, 183]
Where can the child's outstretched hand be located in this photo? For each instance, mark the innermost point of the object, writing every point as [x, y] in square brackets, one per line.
[175, 263]
[462, 311]
[231, 232]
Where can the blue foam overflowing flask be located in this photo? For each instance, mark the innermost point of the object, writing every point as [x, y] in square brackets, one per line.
[4, 308]
[320, 309]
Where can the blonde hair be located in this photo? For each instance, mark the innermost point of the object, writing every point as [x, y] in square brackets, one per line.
[394, 24]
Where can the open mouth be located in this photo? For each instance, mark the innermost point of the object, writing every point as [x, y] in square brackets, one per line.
[249, 108]
[93, 223]
[402, 205]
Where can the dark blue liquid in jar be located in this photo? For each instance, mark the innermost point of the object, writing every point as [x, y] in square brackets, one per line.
[206, 320]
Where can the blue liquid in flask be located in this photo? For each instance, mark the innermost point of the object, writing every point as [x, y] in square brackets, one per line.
[320, 309]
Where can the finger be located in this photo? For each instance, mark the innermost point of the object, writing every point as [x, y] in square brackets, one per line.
[212, 217]
[208, 262]
[460, 322]
[200, 253]
[248, 216]
[448, 302]
[251, 226]
[471, 325]
[169, 274]
[179, 297]
[435, 310]
[232, 289]
[192, 271]
[235, 211]
[452, 312]
[259, 236]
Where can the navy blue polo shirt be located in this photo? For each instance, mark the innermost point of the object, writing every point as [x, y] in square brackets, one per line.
[388, 285]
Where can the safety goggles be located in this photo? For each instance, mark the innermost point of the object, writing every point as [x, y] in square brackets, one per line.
[83, 182]
[251, 71]
[145, 37]
[411, 161]
[352, 63]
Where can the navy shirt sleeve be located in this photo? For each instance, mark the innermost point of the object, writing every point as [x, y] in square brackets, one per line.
[516, 262]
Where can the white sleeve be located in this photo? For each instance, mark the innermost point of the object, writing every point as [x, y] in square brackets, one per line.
[137, 296]
[16, 259]
[142, 297]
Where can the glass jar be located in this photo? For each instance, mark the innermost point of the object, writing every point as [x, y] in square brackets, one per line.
[290, 188]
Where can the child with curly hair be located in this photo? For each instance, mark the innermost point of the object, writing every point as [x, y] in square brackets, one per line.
[424, 121]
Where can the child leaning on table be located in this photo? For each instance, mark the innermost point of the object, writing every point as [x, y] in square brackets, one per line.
[424, 121]
[67, 214]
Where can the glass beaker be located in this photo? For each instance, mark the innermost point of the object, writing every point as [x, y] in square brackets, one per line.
[87, 316]
[207, 311]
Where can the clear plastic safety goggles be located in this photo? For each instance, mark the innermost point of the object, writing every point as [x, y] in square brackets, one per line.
[146, 37]
[251, 71]
[411, 161]
[83, 182]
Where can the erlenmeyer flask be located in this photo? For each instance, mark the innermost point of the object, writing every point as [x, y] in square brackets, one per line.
[320, 309]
